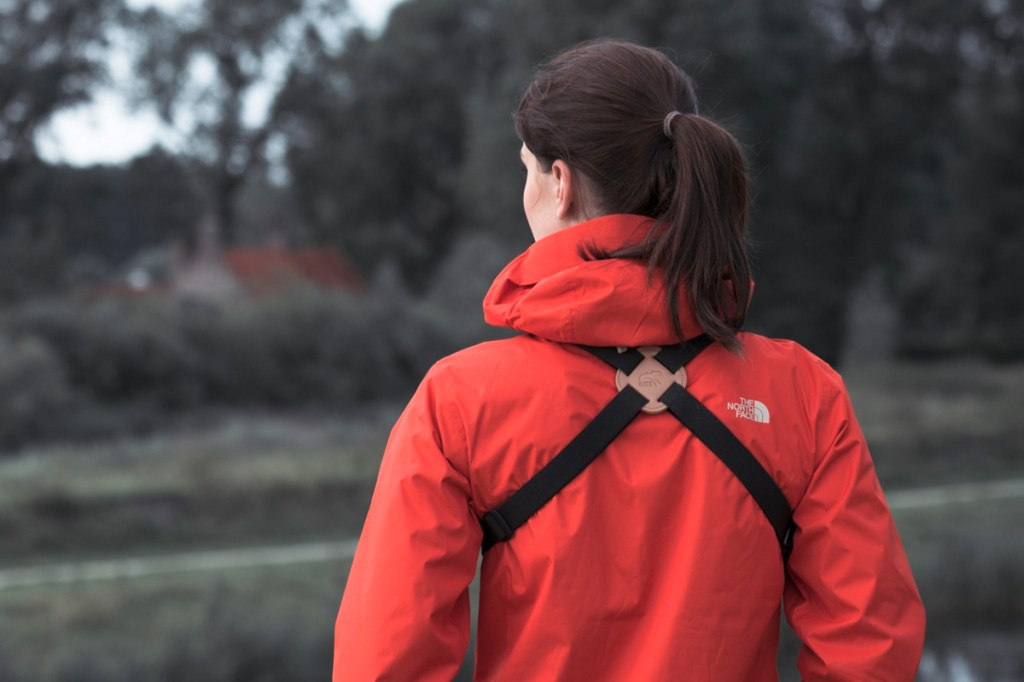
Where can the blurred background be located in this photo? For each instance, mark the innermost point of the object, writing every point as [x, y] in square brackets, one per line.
[233, 236]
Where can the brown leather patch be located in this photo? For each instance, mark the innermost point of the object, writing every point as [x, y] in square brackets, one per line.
[650, 379]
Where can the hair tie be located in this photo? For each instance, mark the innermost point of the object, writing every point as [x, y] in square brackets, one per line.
[666, 125]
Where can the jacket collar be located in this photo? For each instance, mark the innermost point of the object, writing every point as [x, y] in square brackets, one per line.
[553, 292]
[560, 250]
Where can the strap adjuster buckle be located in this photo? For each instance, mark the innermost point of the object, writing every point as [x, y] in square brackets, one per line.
[787, 540]
[496, 528]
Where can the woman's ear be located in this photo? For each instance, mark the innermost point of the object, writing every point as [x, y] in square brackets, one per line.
[565, 190]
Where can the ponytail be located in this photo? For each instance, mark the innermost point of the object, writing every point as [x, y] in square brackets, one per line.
[700, 241]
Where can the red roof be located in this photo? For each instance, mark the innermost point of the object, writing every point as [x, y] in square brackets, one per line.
[268, 269]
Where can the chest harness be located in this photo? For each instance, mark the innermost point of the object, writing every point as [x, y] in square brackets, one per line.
[642, 375]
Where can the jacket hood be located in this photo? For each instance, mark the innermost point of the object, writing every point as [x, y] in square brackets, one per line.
[552, 292]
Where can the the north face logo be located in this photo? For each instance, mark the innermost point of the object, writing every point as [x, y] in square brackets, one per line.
[754, 410]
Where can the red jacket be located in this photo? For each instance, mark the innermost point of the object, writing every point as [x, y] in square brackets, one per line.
[655, 563]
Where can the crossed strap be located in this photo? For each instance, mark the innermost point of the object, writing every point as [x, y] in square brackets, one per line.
[500, 523]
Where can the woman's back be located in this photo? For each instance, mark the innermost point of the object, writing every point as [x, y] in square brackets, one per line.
[655, 563]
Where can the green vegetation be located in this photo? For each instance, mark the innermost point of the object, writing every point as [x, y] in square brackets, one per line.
[254, 624]
[231, 480]
[881, 135]
[87, 368]
[241, 479]
[937, 422]
[966, 559]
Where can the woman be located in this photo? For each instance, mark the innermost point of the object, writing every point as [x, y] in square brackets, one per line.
[655, 562]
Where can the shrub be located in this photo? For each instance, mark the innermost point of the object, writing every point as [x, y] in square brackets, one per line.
[460, 284]
[33, 389]
[118, 349]
[297, 348]
[122, 365]
[305, 347]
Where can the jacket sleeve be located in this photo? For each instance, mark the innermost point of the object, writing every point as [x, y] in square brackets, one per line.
[405, 611]
[850, 596]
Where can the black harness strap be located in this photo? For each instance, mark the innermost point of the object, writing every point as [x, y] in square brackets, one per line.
[627, 360]
[721, 441]
[674, 357]
[500, 523]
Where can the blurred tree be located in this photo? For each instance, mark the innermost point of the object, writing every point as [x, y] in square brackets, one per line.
[213, 69]
[848, 109]
[868, 174]
[905, 82]
[992, 179]
[878, 132]
[49, 61]
[76, 225]
[376, 136]
[109, 213]
[959, 288]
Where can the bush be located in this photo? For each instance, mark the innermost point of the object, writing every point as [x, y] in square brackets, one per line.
[275, 352]
[301, 347]
[118, 350]
[98, 368]
[460, 284]
[33, 389]
[313, 347]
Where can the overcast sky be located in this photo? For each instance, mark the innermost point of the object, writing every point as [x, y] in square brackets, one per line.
[105, 131]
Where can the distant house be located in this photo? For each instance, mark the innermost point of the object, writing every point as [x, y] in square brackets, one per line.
[216, 274]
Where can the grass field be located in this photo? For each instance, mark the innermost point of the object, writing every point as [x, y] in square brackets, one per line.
[266, 478]
[252, 624]
[242, 480]
[941, 422]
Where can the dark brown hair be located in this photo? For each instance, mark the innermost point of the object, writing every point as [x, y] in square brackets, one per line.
[601, 108]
